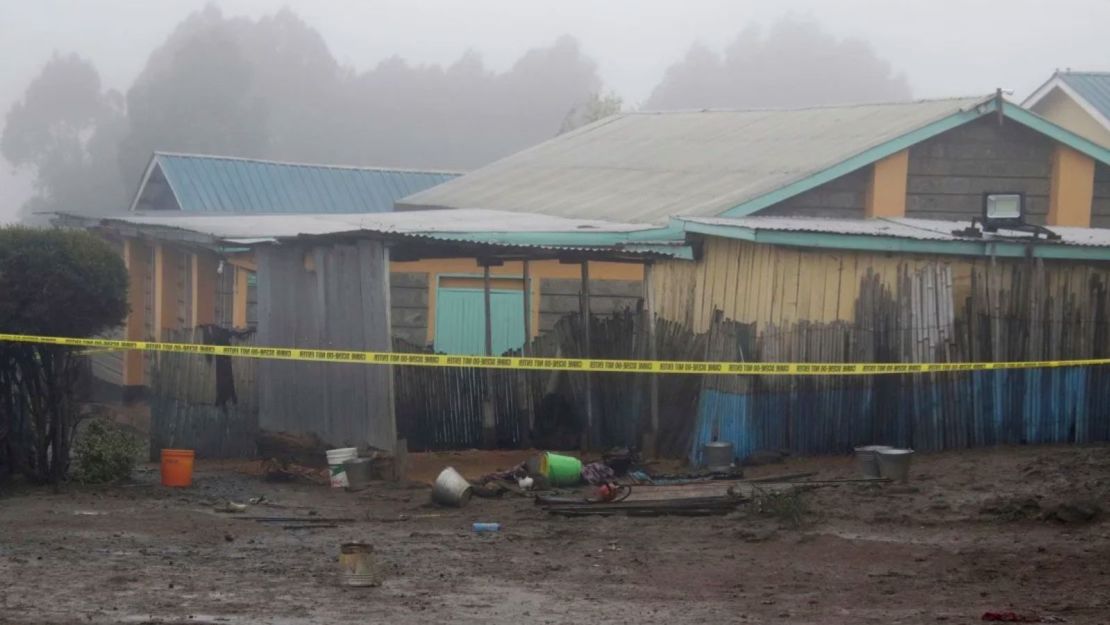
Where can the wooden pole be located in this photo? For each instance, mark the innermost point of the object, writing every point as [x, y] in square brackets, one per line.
[588, 437]
[528, 418]
[486, 302]
[489, 420]
[650, 442]
[527, 308]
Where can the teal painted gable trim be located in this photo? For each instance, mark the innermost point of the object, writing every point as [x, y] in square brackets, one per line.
[879, 243]
[881, 151]
[862, 159]
[1051, 130]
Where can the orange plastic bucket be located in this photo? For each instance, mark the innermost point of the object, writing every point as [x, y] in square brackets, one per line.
[177, 467]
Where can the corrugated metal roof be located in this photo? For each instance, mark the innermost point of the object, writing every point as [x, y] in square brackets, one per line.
[493, 228]
[645, 167]
[220, 184]
[1094, 87]
[409, 222]
[903, 228]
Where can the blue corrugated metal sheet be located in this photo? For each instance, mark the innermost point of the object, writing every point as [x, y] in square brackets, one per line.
[1024, 406]
[217, 184]
[1094, 87]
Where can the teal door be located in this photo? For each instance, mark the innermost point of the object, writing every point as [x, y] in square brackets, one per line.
[461, 321]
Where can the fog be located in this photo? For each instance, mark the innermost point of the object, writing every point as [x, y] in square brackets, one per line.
[87, 90]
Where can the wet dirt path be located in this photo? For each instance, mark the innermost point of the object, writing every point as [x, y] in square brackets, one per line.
[946, 548]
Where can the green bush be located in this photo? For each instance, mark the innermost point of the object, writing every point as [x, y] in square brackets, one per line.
[104, 452]
[53, 283]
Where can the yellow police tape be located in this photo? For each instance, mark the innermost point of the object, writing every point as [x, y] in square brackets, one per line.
[547, 364]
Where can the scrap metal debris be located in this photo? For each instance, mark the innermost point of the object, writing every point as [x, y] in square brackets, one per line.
[685, 506]
[299, 522]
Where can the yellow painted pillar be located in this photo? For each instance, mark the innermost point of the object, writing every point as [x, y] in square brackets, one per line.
[204, 289]
[886, 191]
[166, 290]
[1072, 188]
[136, 257]
[239, 301]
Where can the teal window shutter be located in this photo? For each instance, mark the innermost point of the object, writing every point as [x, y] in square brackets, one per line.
[460, 321]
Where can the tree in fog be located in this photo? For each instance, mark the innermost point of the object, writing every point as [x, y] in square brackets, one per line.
[195, 95]
[594, 108]
[465, 115]
[266, 88]
[270, 88]
[795, 63]
[66, 130]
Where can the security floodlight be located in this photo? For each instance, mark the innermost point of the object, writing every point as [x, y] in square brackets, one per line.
[1003, 209]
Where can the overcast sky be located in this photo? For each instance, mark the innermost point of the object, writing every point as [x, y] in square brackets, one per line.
[945, 47]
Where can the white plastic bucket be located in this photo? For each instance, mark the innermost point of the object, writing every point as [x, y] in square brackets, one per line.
[451, 489]
[336, 458]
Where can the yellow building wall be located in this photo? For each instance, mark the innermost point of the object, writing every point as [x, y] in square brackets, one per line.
[886, 189]
[136, 257]
[167, 284]
[1072, 188]
[1060, 109]
[455, 272]
[778, 285]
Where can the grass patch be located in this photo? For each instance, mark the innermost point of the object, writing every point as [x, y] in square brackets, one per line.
[104, 452]
[787, 506]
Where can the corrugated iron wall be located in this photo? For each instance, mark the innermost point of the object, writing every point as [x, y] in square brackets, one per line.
[791, 306]
[986, 408]
[332, 296]
[186, 410]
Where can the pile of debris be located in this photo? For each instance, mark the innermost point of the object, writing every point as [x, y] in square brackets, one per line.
[619, 483]
[602, 487]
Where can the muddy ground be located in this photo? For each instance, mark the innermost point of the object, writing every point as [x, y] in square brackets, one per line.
[974, 531]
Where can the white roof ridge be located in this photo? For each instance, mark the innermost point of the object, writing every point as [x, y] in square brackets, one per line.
[818, 107]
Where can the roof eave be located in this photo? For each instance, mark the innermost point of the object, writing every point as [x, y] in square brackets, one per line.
[893, 244]
[645, 243]
[121, 226]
